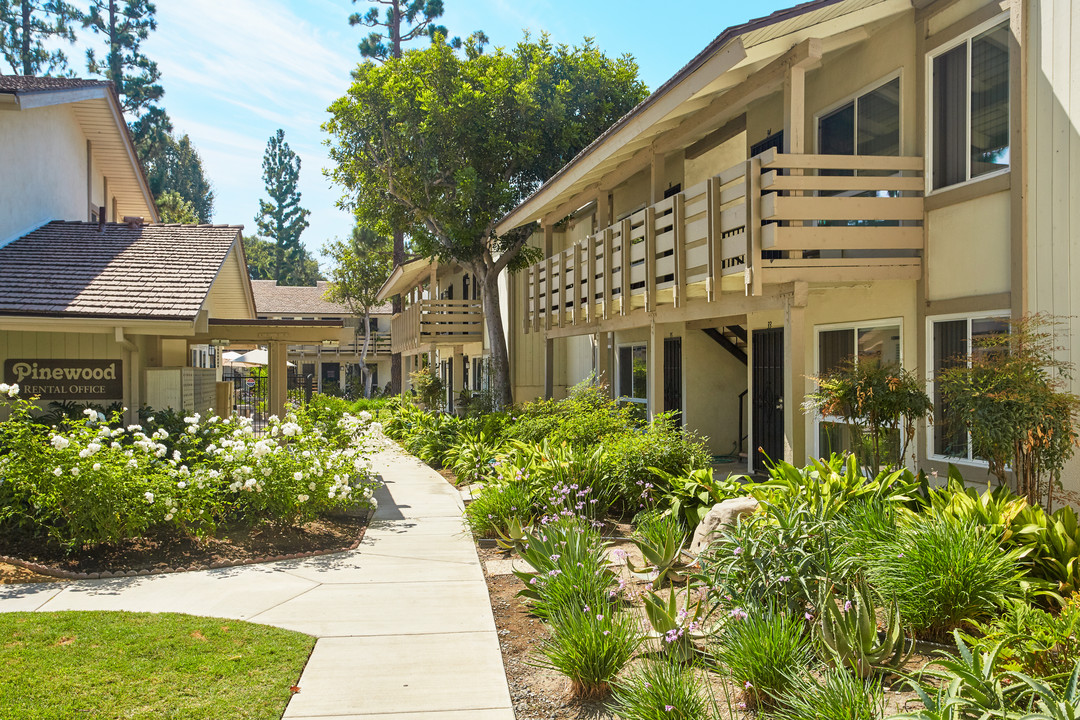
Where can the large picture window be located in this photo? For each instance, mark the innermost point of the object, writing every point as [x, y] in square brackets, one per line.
[951, 343]
[836, 346]
[969, 121]
[869, 124]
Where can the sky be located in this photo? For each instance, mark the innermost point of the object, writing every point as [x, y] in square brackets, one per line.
[234, 71]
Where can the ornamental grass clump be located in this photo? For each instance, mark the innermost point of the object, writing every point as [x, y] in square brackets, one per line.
[660, 690]
[497, 505]
[944, 574]
[838, 695]
[589, 645]
[762, 649]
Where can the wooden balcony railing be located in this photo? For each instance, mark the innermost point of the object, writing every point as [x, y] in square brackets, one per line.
[380, 345]
[771, 219]
[428, 322]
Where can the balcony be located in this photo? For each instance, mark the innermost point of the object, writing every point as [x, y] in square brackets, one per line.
[426, 324]
[775, 218]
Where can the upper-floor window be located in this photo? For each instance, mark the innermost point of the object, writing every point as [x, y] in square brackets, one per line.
[969, 107]
[868, 124]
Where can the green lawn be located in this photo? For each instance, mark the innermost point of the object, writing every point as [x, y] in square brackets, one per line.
[143, 665]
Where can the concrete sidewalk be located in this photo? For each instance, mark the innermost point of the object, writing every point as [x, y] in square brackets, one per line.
[404, 621]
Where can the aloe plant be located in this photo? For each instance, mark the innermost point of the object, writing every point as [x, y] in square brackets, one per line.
[1052, 705]
[676, 626]
[516, 535]
[849, 634]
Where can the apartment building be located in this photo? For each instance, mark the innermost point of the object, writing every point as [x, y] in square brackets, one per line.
[845, 178]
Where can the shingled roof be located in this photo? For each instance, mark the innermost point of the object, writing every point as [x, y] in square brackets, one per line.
[29, 84]
[274, 299]
[153, 272]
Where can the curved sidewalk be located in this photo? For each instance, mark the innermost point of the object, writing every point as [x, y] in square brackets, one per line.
[404, 623]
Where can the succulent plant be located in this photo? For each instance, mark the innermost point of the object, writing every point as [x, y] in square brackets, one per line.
[516, 535]
[849, 634]
[663, 559]
[677, 627]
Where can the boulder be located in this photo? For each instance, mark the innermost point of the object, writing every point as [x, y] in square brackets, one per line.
[724, 513]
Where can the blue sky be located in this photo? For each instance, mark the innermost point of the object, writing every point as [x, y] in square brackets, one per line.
[236, 70]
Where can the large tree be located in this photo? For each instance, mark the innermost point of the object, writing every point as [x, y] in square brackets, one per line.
[262, 261]
[282, 219]
[124, 25]
[360, 267]
[172, 163]
[28, 30]
[457, 142]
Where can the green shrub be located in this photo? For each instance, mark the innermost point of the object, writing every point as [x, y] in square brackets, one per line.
[660, 690]
[590, 646]
[836, 696]
[662, 444]
[473, 458]
[581, 420]
[763, 648]
[496, 503]
[944, 574]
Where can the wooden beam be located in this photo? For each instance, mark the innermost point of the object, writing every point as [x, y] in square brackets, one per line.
[580, 200]
[806, 54]
[774, 237]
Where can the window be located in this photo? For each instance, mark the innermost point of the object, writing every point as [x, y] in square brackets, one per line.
[866, 342]
[951, 346]
[776, 140]
[869, 124]
[969, 123]
[633, 374]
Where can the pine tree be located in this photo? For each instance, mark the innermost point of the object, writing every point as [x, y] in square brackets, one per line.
[25, 28]
[172, 164]
[133, 74]
[282, 219]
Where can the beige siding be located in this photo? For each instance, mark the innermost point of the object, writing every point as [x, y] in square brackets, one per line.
[969, 246]
[1053, 158]
[228, 297]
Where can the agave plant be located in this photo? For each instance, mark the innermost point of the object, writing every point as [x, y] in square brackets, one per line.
[516, 535]
[676, 626]
[849, 634]
[1052, 705]
[663, 556]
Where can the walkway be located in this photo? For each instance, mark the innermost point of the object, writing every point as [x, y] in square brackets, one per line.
[404, 622]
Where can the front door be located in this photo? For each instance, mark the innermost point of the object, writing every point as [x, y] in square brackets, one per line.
[767, 373]
[673, 376]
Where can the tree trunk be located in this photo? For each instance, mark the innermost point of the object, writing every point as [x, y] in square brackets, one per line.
[365, 374]
[501, 389]
[397, 307]
[25, 39]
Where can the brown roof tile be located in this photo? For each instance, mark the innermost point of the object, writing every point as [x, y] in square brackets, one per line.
[29, 84]
[274, 299]
[154, 271]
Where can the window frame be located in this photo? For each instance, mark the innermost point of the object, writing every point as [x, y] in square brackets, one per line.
[854, 327]
[962, 39]
[931, 380]
[897, 74]
[619, 371]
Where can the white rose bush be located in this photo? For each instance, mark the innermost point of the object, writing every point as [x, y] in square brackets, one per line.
[89, 481]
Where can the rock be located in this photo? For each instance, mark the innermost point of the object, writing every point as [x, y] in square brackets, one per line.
[724, 513]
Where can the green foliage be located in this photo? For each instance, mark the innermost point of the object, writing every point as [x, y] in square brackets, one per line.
[763, 649]
[583, 419]
[429, 387]
[589, 645]
[690, 495]
[944, 574]
[497, 506]
[125, 27]
[660, 690]
[1012, 398]
[875, 400]
[281, 218]
[577, 480]
[635, 455]
[261, 257]
[1052, 546]
[473, 458]
[661, 545]
[569, 568]
[172, 166]
[449, 144]
[28, 33]
[1054, 704]
[848, 631]
[675, 626]
[973, 678]
[836, 696]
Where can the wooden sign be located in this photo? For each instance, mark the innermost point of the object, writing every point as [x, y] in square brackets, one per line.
[54, 379]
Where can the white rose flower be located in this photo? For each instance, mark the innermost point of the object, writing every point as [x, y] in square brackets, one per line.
[181, 484]
[149, 496]
[97, 466]
[57, 472]
[90, 412]
[60, 442]
[311, 486]
[302, 498]
[298, 476]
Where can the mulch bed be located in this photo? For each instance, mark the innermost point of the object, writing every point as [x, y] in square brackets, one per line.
[170, 553]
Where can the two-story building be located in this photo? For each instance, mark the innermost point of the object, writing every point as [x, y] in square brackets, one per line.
[845, 178]
[99, 303]
[332, 365]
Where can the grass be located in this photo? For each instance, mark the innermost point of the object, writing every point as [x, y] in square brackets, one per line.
[145, 665]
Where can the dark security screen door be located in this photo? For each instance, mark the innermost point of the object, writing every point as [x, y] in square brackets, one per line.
[768, 393]
[673, 375]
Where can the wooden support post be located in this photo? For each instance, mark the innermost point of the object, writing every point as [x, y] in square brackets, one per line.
[530, 290]
[592, 255]
[658, 169]
[713, 240]
[609, 269]
[603, 362]
[549, 368]
[536, 298]
[624, 272]
[795, 381]
[433, 280]
[753, 227]
[655, 370]
[603, 211]
[678, 229]
[277, 374]
[650, 259]
[549, 296]
[562, 287]
[795, 122]
[457, 376]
